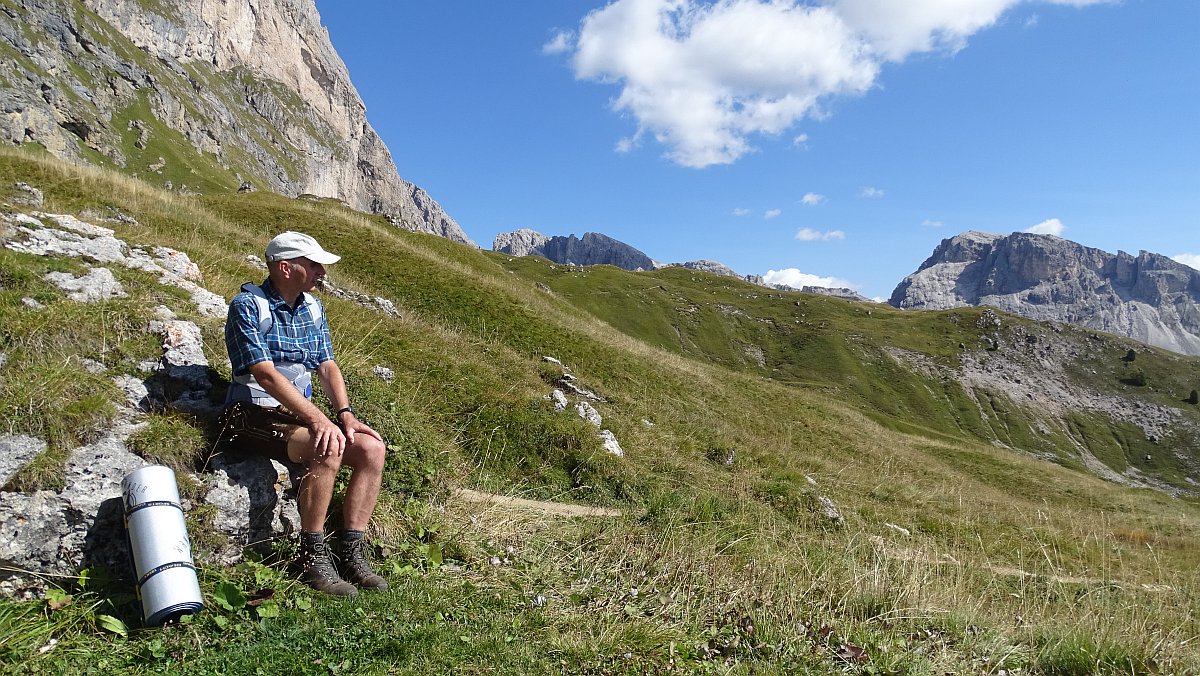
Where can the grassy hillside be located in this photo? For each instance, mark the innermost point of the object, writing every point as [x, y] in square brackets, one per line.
[743, 413]
[850, 350]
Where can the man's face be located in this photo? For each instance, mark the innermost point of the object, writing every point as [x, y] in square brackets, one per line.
[307, 272]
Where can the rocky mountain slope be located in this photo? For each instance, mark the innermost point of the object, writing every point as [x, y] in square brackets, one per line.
[201, 96]
[1147, 297]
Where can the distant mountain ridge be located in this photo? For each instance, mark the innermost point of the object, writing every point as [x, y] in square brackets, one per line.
[592, 249]
[597, 249]
[1149, 297]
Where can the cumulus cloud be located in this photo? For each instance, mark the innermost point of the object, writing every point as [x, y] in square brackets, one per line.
[772, 213]
[796, 279]
[741, 212]
[810, 235]
[812, 199]
[870, 192]
[1050, 226]
[1188, 259]
[561, 43]
[702, 77]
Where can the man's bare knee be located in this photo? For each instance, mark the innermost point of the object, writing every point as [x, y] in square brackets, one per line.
[366, 453]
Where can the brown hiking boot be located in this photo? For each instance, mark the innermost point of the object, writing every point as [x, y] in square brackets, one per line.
[317, 571]
[357, 568]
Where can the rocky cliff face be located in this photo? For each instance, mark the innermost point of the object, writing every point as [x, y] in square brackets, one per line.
[201, 95]
[593, 249]
[1148, 297]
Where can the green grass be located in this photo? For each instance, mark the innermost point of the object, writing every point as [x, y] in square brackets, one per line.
[1010, 562]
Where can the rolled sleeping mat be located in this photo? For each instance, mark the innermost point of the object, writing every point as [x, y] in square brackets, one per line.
[162, 551]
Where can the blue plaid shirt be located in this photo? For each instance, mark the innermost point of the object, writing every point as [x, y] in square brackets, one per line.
[293, 336]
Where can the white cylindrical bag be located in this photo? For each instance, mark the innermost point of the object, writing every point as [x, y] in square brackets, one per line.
[162, 551]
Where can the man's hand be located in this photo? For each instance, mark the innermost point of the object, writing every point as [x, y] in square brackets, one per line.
[354, 426]
[328, 440]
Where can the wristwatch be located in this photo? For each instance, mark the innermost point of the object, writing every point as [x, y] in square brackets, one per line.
[338, 416]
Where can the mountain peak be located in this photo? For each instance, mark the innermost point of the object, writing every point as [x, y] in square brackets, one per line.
[1148, 297]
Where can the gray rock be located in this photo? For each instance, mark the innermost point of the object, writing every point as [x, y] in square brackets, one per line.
[1147, 297]
[183, 343]
[98, 244]
[385, 373]
[32, 304]
[81, 527]
[15, 451]
[255, 501]
[28, 195]
[559, 399]
[589, 413]
[609, 441]
[31, 542]
[136, 393]
[98, 284]
[827, 509]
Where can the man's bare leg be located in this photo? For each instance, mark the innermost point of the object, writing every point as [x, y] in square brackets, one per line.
[366, 457]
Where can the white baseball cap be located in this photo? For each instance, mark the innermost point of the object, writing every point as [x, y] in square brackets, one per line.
[289, 245]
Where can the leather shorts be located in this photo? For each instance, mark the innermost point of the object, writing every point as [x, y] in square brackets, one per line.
[261, 430]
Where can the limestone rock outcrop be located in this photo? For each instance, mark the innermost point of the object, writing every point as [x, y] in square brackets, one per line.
[523, 242]
[201, 95]
[1147, 297]
[703, 265]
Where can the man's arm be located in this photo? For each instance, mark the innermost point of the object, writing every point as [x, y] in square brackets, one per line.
[327, 437]
[334, 387]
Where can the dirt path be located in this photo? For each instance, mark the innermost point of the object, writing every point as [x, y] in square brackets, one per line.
[900, 553]
[556, 508]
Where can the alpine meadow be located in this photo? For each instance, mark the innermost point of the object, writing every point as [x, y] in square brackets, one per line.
[805, 487]
[592, 469]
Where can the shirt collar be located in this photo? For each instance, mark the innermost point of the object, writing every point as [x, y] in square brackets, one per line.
[276, 300]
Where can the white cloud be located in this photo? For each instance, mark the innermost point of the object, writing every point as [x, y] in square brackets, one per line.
[796, 279]
[1050, 226]
[870, 192]
[562, 42]
[800, 140]
[1188, 259]
[810, 235]
[703, 77]
[772, 213]
[930, 223]
[812, 199]
[741, 212]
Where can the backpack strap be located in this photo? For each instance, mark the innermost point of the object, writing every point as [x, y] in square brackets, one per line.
[265, 320]
[264, 307]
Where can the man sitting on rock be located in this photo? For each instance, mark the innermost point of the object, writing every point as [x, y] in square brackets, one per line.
[277, 337]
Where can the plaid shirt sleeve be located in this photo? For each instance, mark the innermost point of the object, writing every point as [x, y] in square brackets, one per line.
[245, 344]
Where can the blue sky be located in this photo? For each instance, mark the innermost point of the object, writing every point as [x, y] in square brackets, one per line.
[830, 142]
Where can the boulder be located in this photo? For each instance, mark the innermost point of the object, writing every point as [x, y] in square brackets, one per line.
[255, 502]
